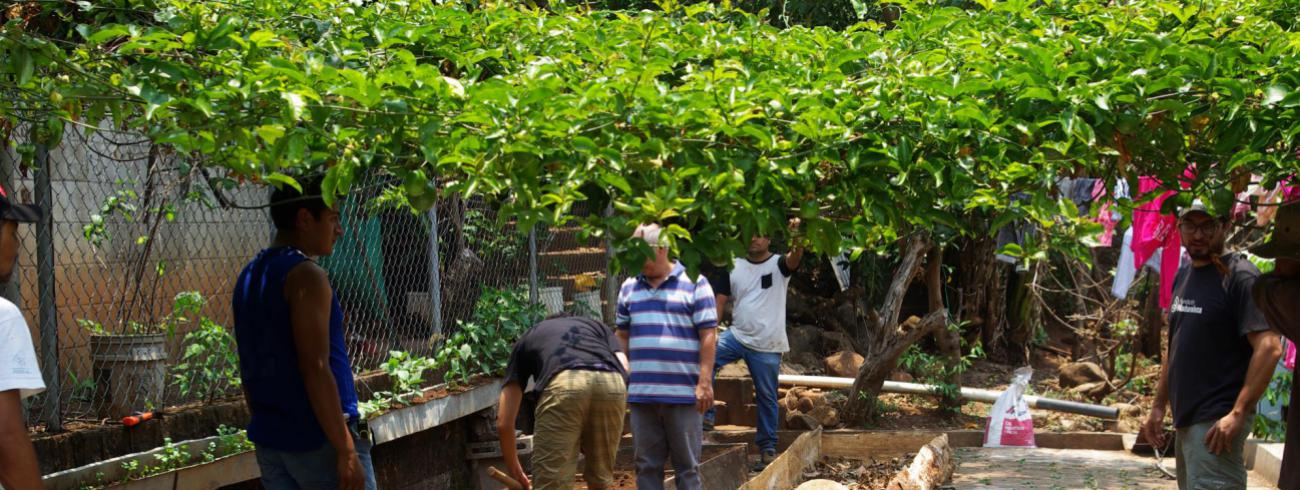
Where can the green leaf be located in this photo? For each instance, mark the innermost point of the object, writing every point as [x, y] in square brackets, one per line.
[281, 180]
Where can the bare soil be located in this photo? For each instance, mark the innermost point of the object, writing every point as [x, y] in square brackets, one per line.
[623, 480]
[903, 412]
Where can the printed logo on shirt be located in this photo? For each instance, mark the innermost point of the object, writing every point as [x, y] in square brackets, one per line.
[21, 366]
[1185, 306]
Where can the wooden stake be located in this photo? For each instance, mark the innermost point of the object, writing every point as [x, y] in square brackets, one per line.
[505, 479]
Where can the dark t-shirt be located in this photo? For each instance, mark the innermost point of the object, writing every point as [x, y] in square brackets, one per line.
[561, 344]
[1208, 349]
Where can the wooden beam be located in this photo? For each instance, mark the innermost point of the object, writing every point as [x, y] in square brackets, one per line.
[932, 467]
[786, 471]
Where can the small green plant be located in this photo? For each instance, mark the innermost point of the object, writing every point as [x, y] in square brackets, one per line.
[937, 370]
[406, 373]
[172, 456]
[83, 389]
[132, 469]
[184, 305]
[233, 440]
[210, 363]
[1279, 391]
[482, 345]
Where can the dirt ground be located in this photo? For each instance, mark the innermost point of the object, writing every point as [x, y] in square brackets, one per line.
[623, 480]
[901, 412]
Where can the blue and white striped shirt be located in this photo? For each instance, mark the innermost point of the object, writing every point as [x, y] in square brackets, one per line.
[664, 337]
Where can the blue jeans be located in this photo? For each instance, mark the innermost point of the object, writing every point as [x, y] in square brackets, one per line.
[316, 469]
[764, 367]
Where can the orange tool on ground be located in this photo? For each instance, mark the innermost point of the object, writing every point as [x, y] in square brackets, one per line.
[136, 419]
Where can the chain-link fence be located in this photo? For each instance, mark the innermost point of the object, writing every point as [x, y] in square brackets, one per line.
[126, 285]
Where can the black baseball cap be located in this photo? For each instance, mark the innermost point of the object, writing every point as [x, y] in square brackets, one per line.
[22, 213]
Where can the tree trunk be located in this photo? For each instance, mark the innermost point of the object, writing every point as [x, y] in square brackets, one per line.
[983, 291]
[882, 341]
[1024, 315]
[1152, 319]
[948, 339]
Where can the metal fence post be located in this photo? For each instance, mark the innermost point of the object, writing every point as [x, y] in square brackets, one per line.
[532, 265]
[48, 315]
[435, 276]
[611, 281]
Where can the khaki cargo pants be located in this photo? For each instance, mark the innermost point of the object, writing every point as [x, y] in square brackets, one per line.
[578, 411]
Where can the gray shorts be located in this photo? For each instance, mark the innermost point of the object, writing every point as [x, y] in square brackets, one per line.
[1198, 469]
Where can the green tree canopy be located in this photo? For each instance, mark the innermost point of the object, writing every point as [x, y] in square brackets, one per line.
[700, 116]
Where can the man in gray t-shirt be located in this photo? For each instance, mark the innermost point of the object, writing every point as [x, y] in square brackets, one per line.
[757, 285]
[1221, 357]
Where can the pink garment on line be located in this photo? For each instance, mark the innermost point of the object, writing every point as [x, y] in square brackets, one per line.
[1152, 230]
[1104, 216]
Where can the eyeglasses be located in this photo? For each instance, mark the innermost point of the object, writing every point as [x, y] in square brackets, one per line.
[1207, 228]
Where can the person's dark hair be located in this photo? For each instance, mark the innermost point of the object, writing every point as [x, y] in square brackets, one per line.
[286, 201]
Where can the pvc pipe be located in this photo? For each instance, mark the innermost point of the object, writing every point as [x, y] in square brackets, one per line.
[970, 394]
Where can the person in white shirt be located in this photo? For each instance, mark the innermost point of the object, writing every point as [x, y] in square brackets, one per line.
[758, 284]
[20, 377]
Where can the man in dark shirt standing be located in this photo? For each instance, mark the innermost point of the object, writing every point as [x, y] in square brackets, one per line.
[292, 357]
[577, 366]
[1221, 357]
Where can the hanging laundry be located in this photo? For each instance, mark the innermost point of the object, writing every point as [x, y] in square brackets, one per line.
[1078, 191]
[1017, 232]
[1125, 270]
[1109, 216]
[1153, 231]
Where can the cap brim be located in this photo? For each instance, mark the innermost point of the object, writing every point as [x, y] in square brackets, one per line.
[22, 213]
[1274, 250]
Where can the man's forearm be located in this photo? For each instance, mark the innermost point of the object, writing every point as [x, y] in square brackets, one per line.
[1162, 387]
[1260, 372]
[323, 394]
[708, 351]
[507, 410]
[624, 339]
[18, 467]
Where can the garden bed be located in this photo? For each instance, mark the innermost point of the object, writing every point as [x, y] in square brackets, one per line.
[207, 463]
[435, 406]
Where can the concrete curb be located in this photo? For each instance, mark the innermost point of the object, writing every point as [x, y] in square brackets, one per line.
[1265, 459]
[410, 420]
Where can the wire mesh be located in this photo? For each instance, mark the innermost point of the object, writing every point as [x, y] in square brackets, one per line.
[573, 271]
[138, 237]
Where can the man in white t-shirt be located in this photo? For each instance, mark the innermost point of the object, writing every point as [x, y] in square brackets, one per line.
[19, 375]
[758, 283]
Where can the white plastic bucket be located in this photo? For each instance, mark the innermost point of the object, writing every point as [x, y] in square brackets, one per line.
[587, 303]
[552, 298]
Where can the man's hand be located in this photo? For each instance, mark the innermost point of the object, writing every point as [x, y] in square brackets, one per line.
[1219, 438]
[1154, 427]
[517, 472]
[703, 396]
[351, 475]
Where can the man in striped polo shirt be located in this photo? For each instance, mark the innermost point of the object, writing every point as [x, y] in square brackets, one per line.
[666, 322]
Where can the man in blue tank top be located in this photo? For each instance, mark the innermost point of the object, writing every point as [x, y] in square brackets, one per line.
[292, 356]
